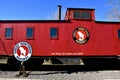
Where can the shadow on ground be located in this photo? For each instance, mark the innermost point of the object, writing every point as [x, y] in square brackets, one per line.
[64, 68]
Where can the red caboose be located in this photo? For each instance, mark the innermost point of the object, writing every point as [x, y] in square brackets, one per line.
[76, 37]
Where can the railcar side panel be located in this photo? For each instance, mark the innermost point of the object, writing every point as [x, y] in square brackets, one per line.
[103, 38]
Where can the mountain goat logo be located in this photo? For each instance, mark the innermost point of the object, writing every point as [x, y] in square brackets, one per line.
[80, 35]
[22, 51]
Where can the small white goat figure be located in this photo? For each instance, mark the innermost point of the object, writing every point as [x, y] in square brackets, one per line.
[81, 36]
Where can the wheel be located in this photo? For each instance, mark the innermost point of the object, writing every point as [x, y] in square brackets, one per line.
[56, 61]
[91, 63]
[34, 63]
[13, 63]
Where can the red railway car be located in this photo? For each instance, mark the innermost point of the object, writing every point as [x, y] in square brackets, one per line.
[76, 37]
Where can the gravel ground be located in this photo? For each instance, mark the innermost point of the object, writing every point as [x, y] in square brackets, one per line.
[63, 75]
[8, 72]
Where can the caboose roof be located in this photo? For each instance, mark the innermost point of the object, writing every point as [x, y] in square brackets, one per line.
[51, 21]
[80, 9]
[107, 22]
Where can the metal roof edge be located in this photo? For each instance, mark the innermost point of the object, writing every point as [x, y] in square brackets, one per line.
[107, 21]
[34, 20]
[80, 9]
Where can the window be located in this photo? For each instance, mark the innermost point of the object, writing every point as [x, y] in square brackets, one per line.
[29, 33]
[53, 33]
[76, 15]
[85, 15]
[81, 15]
[8, 33]
[118, 33]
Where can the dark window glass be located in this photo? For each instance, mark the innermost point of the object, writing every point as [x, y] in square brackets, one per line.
[85, 15]
[8, 32]
[29, 32]
[119, 33]
[53, 32]
[76, 15]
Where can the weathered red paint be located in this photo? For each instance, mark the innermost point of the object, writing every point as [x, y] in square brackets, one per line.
[103, 39]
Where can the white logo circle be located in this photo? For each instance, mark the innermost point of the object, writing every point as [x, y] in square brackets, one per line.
[80, 35]
[22, 51]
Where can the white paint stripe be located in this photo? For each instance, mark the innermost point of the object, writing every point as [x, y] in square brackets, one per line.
[19, 44]
[116, 71]
[18, 79]
[111, 79]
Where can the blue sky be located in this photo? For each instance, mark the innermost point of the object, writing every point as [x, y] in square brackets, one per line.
[45, 9]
